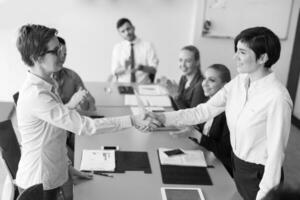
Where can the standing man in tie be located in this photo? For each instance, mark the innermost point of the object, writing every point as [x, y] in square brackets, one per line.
[133, 60]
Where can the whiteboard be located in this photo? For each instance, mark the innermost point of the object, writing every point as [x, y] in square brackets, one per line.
[229, 17]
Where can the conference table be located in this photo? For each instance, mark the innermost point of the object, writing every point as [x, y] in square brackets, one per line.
[136, 185]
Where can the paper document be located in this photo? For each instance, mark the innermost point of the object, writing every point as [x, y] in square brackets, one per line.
[98, 160]
[163, 101]
[189, 158]
[152, 90]
[160, 101]
[140, 103]
[174, 193]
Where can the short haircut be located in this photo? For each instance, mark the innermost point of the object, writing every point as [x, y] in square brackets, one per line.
[193, 49]
[122, 21]
[223, 71]
[61, 40]
[261, 40]
[32, 41]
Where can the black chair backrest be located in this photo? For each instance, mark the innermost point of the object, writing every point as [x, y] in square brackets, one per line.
[35, 192]
[16, 97]
[11, 151]
[152, 77]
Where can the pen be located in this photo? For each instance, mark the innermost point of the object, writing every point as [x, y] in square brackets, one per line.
[103, 174]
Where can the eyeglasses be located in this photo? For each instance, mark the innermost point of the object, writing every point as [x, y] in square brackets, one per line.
[56, 51]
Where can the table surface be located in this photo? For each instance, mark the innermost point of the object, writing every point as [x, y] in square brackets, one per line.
[136, 184]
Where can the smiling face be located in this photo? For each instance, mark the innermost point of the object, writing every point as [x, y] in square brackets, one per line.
[246, 60]
[212, 82]
[127, 31]
[187, 62]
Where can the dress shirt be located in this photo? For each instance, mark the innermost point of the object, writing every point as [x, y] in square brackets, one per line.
[259, 120]
[43, 121]
[144, 54]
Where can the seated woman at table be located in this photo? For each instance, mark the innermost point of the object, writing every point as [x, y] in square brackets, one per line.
[189, 92]
[214, 134]
[68, 82]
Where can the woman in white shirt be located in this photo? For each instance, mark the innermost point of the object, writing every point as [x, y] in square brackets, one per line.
[258, 111]
[42, 117]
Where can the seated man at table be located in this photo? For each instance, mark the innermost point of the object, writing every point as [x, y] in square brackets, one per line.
[68, 82]
[133, 60]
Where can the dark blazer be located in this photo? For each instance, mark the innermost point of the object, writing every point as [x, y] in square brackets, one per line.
[191, 96]
[218, 141]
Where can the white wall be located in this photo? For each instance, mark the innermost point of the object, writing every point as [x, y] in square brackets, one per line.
[220, 50]
[89, 29]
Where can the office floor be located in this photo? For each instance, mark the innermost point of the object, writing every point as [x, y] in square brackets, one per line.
[291, 164]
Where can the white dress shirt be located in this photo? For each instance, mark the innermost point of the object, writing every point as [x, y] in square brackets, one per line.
[259, 120]
[144, 54]
[43, 121]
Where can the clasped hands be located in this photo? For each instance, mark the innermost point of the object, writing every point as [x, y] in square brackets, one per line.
[147, 121]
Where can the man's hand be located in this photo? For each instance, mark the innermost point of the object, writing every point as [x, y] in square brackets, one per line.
[77, 98]
[82, 175]
[127, 64]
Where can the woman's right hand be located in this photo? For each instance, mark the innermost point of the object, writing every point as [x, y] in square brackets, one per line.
[170, 86]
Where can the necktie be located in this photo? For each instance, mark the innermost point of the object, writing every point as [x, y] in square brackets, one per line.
[132, 75]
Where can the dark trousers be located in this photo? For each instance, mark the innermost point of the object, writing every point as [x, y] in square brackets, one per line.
[48, 194]
[247, 177]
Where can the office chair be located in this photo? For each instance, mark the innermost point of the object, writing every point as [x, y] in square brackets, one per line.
[10, 149]
[16, 97]
[152, 77]
[35, 192]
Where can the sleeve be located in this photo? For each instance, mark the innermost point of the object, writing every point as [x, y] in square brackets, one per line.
[277, 133]
[115, 60]
[152, 59]
[77, 80]
[55, 113]
[199, 114]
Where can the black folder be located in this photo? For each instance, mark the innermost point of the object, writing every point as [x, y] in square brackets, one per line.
[131, 161]
[125, 89]
[172, 174]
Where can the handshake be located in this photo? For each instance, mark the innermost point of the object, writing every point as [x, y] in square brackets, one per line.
[148, 121]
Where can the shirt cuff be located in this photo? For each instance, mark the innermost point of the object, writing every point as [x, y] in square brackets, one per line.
[125, 122]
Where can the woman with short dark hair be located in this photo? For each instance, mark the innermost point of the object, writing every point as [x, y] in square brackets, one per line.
[258, 111]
